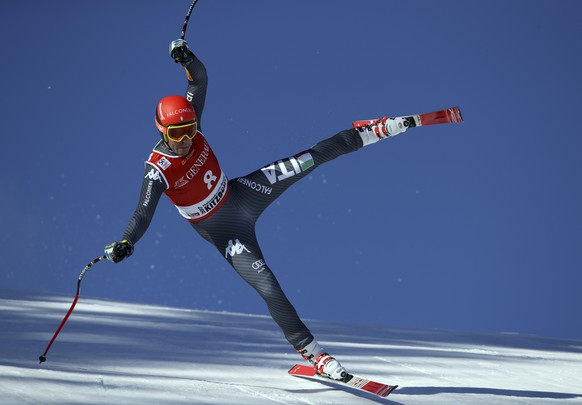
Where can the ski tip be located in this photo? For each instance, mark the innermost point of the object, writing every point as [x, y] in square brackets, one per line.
[458, 116]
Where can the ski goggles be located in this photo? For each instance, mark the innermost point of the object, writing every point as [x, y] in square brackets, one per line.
[177, 133]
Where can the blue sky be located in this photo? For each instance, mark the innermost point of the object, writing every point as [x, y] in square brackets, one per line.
[471, 227]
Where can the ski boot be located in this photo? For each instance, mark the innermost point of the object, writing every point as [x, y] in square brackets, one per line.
[371, 131]
[324, 364]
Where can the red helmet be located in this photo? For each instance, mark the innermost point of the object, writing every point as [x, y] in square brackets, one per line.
[173, 110]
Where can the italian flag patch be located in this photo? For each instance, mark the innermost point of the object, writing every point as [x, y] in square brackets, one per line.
[305, 160]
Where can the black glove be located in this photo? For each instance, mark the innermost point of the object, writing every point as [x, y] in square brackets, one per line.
[117, 251]
[180, 52]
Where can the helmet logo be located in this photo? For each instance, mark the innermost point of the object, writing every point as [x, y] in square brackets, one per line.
[180, 111]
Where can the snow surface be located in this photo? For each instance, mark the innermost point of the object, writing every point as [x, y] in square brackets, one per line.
[124, 353]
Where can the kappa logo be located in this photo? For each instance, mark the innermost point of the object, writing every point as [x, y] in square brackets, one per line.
[235, 248]
[153, 175]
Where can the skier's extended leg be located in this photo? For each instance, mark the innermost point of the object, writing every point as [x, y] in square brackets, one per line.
[233, 234]
[265, 185]
[235, 238]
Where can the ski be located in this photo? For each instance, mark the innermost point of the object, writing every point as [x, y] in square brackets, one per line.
[447, 116]
[353, 381]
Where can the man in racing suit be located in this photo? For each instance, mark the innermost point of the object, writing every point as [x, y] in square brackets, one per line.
[183, 166]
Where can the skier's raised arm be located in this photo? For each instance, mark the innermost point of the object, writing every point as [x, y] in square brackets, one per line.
[195, 72]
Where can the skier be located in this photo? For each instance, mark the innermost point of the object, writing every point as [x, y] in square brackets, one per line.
[224, 212]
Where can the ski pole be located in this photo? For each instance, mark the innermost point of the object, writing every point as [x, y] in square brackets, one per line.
[187, 18]
[42, 357]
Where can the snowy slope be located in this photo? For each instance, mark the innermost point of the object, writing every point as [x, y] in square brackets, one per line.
[122, 353]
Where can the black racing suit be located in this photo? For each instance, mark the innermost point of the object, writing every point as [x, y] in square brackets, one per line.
[231, 227]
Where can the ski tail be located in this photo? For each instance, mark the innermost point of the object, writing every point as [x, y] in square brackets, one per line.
[353, 381]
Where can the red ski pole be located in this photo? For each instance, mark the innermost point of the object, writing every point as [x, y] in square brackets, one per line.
[42, 358]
